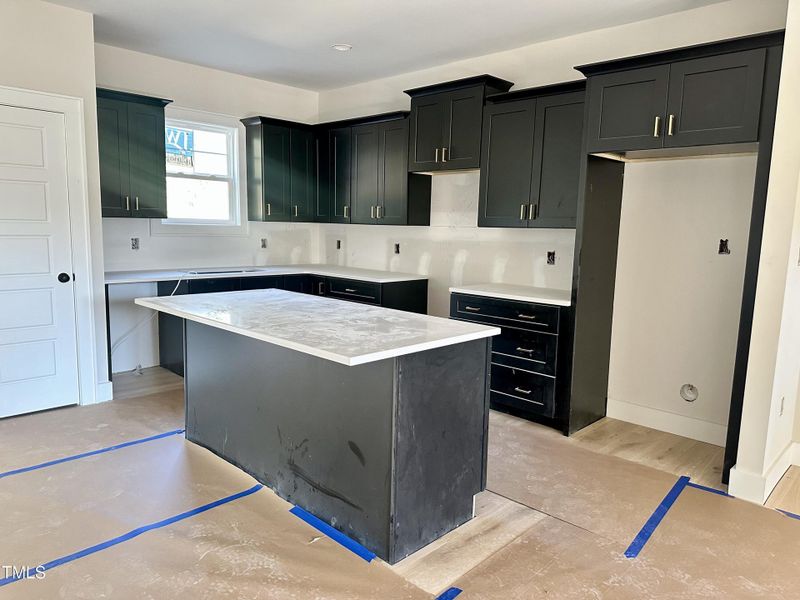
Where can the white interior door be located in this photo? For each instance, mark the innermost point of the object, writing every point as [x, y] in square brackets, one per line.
[38, 351]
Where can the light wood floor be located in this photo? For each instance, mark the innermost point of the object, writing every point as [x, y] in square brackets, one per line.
[658, 449]
[786, 495]
[153, 380]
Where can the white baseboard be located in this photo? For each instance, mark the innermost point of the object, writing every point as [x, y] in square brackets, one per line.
[757, 487]
[704, 431]
[103, 393]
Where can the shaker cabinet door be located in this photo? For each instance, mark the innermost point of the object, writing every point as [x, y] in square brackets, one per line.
[505, 185]
[627, 109]
[147, 159]
[112, 131]
[461, 143]
[715, 100]
[558, 152]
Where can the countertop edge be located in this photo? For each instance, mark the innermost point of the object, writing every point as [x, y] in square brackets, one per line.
[510, 296]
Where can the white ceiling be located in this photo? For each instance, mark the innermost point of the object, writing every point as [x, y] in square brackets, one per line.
[288, 41]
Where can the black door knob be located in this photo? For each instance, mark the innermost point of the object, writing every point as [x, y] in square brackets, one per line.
[63, 277]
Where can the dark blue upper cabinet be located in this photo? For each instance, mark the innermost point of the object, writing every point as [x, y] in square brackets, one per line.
[133, 177]
[446, 123]
[531, 158]
[282, 171]
[700, 96]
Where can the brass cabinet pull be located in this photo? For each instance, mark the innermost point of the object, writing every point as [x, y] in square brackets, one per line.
[296, 211]
[472, 309]
[345, 211]
[444, 155]
[378, 211]
[521, 391]
[371, 212]
[532, 211]
[137, 202]
[350, 290]
[521, 212]
[657, 127]
[671, 125]
[436, 159]
[526, 350]
[269, 209]
[529, 317]
[128, 203]
[320, 288]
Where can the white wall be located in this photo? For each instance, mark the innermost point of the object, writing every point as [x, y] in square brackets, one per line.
[553, 61]
[677, 300]
[771, 391]
[453, 250]
[50, 48]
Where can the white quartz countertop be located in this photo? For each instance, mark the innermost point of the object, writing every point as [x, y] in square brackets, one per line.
[113, 277]
[344, 332]
[523, 293]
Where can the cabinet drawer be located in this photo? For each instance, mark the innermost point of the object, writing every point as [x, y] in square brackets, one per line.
[526, 350]
[506, 313]
[360, 291]
[510, 386]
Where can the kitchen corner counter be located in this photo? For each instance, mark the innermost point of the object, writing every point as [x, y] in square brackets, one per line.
[323, 327]
[371, 275]
[522, 293]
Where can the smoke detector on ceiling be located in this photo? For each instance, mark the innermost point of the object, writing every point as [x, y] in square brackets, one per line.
[342, 47]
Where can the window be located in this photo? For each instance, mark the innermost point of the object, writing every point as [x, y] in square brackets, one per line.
[202, 186]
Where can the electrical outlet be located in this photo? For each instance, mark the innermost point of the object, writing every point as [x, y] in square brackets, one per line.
[551, 257]
[724, 248]
[397, 248]
[263, 242]
[338, 244]
[134, 243]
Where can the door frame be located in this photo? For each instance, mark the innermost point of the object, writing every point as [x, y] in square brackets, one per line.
[93, 384]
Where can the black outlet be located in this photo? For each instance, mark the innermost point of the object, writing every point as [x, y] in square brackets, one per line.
[338, 244]
[723, 247]
[551, 258]
[397, 248]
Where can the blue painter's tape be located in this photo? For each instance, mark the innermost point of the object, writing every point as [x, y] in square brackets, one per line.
[449, 594]
[134, 533]
[655, 519]
[788, 514]
[697, 486]
[58, 461]
[336, 535]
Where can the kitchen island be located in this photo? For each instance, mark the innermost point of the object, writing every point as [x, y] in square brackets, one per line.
[372, 419]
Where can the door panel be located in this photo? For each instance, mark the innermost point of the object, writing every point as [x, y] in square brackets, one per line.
[38, 353]
[393, 161]
[558, 153]
[340, 163]
[623, 108]
[715, 100]
[277, 180]
[428, 116]
[462, 135]
[112, 130]
[365, 183]
[302, 174]
[505, 187]
[147, 158]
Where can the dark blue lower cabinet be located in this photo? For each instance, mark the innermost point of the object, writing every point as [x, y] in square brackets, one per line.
[530, 360]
